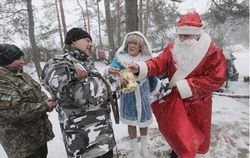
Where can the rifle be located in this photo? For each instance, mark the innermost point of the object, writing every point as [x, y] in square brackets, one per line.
[112, 98]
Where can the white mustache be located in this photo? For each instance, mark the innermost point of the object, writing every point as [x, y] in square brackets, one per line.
[187, 43]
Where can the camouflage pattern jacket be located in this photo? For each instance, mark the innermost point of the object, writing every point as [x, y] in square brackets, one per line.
[84, 112]
[24, 124]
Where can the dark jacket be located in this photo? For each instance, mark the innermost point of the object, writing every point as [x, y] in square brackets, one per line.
[24, 124]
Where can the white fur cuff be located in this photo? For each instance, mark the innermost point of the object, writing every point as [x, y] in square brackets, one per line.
[184, 89]
[189, 30]
[143, 70]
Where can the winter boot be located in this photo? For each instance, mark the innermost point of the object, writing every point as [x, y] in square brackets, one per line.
[135, 148]
[144, 147]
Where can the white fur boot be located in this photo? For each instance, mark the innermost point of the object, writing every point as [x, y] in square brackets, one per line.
[144, 147]
[135, 148]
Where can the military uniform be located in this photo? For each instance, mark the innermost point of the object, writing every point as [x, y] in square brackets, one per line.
[83, 107]
[24, 124]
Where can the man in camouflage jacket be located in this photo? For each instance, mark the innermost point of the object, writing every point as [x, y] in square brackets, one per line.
[24, 124]
[84, 112]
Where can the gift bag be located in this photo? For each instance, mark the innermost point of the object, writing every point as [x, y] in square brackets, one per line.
[129, 76]
[175, 125]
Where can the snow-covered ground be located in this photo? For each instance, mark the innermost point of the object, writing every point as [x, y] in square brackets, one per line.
[230, 128]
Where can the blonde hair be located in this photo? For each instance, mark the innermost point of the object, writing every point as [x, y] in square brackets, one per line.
[135, 38]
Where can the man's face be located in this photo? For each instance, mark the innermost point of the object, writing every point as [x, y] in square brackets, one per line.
[16, 65]
[184, 37]
[185, 43]
[84, 44]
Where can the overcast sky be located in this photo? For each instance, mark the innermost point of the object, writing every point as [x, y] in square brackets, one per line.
[200, 6]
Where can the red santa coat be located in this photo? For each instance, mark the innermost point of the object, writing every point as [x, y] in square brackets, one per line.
[184, 116]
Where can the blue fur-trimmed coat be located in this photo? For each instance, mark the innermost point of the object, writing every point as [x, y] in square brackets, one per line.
[135, 108]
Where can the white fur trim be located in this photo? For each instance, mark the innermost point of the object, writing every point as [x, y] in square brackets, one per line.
[143, 70]
[189, 30]
[140, 34]
[135, 123]
[157, 89]
[207, 155]
[139, 112]
[184, 89]
[201, 51]
[138, 102]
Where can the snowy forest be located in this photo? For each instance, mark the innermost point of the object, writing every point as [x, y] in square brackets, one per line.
[38, 27]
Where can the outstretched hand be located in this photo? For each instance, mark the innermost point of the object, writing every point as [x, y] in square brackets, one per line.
[134, 68]
[114, 71]
[123, 81]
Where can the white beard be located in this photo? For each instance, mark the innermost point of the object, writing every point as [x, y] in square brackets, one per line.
[188, 55]
[184, 53]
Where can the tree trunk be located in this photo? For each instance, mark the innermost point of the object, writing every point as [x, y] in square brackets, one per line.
[87, 12]
[99, 24]
[63, 17]
[83, 16]
[35, 50]
[118, 23]
[140, 16]
[146, 17]
[109, 29]
[59, 24]
[131, 15]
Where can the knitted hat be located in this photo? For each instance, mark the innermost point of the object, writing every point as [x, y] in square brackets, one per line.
[9, 53]
[190, 24]
[75, 34]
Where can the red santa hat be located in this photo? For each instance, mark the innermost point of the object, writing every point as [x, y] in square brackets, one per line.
[190, 24]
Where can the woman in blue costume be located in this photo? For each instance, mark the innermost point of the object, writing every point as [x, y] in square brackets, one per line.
[135, 109]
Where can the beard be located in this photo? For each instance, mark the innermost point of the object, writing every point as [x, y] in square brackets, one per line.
[184, 52]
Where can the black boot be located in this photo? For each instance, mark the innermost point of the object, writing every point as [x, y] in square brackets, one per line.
[173, 154]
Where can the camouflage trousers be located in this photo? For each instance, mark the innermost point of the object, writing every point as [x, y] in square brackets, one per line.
[107, 155]
[40, 153]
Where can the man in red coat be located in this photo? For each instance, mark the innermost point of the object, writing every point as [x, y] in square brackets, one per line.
[196, 67]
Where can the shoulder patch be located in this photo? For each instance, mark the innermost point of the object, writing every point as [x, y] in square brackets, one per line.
[5, 99]
[6, 92]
